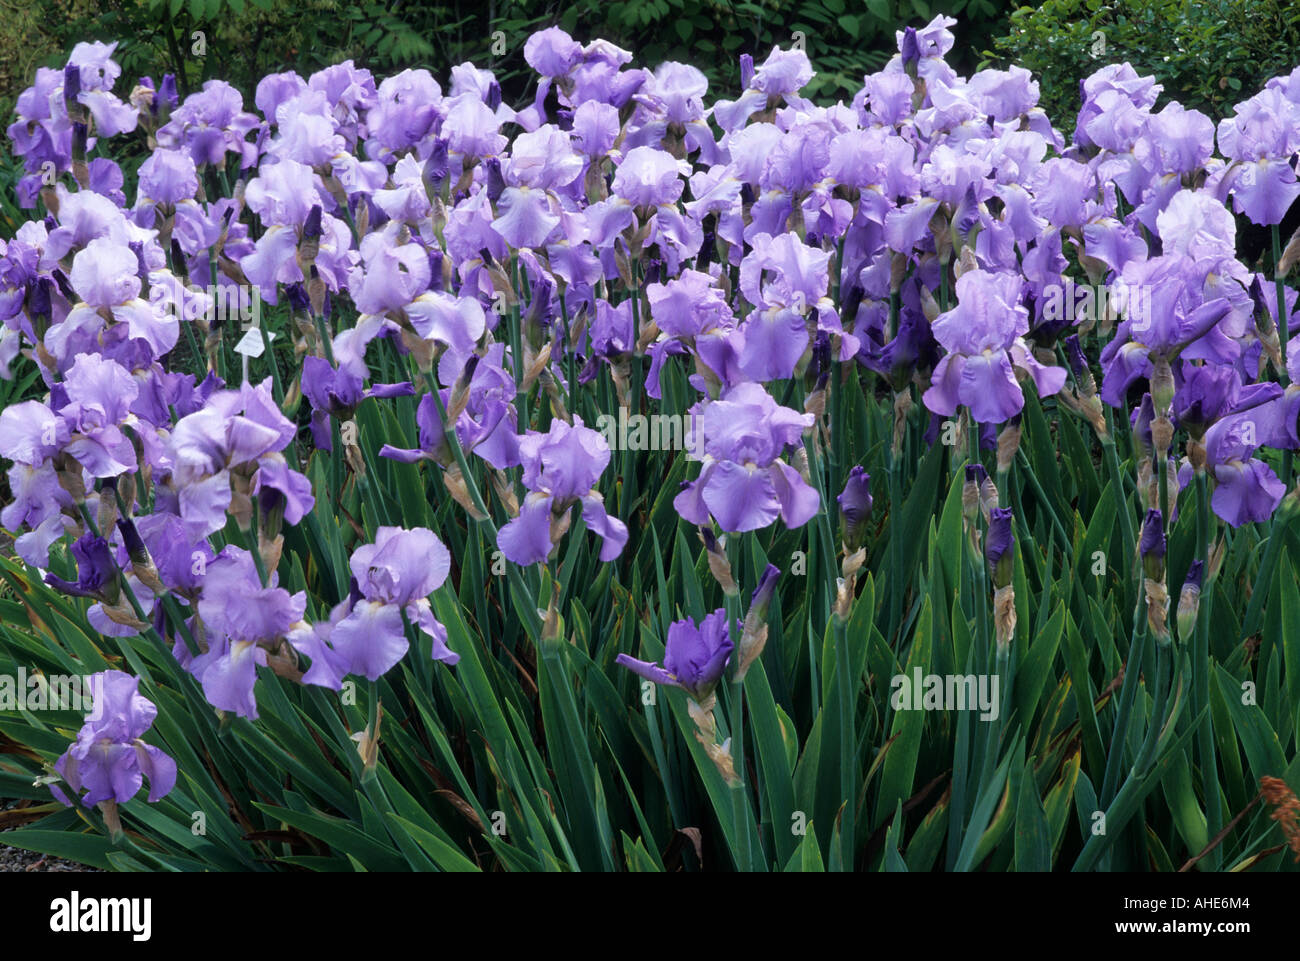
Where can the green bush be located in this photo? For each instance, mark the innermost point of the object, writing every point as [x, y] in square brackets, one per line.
[1206, 53]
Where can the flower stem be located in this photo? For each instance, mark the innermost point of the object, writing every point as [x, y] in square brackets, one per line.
[1201, 679]
[532, 622]
[736, 724]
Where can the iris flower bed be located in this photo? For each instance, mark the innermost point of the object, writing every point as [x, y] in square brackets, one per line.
[637, 480]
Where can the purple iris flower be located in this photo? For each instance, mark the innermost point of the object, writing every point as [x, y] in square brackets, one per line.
[338, 392]
[180, 559]
[97, 571]
[1109, 96]
[1245, 488]
[167, 177]
[693, 316]
[984, 337]
[1262, 138]
[38, 502]
[234, 429]
[109, 761]
[694, 657]
[210, 124]
[744, 484]
[787, 280]
[552, 52]
[561, 468]
[1166, 314]
[105, 275]
[243, 620]
[487, 424]
[1209, 392]
[394, 576]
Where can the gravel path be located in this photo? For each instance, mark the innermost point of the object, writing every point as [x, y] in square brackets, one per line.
[16, 859]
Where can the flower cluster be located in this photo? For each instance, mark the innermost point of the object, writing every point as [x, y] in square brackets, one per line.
[428, 241]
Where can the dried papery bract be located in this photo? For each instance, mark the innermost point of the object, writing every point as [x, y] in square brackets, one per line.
[1286, 809]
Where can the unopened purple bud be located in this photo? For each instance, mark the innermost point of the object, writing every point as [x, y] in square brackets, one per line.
[1152, 546]
[435, 268]
[496, 183]
[908, 47]
[1189, 600]
[1142, 424]
[706, 534]
[998, 544]
[71, 84]
[976, 474]
[436, 167]
[311, 228]
[1074, 356]
[706, 251]
[141, 268]
[1257, 299]
[79, 134]
[540, 313]
[167, 95]
[131, 539]
[38, 298]
[299, 302]
[851, 302]
[762, 597]
[966, 217]
[821, 359]
[65, 288]
[855, 507]
[493, 98]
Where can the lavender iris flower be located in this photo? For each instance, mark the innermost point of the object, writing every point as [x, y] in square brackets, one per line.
[984, 337]
[366, 634]
[744, 484]
[1171, 318]
[561, 468]
[338, 392]
[694, 657]
[1245, 489]
[244, 620]
[233, 431]
[1261, 137]
[109, 761]
[97, 571]
[104, 276]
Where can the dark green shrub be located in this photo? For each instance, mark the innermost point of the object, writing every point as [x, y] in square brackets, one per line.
[1208, 53]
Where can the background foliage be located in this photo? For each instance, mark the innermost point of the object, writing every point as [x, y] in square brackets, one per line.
[1205, 52]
